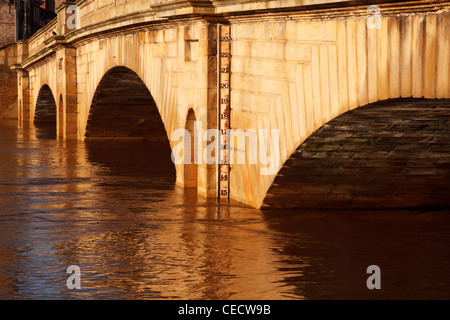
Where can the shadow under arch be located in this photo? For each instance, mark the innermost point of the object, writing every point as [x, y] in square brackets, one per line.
[45, 113]
[123, 108]
[125, 132]
[393, 154]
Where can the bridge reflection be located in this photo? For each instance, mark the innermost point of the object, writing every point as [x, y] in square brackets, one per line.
[113, 209]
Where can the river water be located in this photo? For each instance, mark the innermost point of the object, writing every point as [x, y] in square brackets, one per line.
[114, 211]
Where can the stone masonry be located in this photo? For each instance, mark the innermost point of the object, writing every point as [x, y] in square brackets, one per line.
[295, 65]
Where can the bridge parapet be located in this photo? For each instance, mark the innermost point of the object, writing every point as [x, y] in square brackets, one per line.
[228, 6]
[97, 17]
[39, 41]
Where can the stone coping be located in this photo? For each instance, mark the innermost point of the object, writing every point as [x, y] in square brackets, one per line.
[159, 15]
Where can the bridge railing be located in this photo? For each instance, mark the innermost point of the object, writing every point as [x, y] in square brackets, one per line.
[37, 42]
[97, 14]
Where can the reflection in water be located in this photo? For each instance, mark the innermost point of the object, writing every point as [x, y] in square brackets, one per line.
[45, 132]
[113, 209]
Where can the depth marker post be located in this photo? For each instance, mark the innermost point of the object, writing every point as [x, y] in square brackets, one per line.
[224, 67]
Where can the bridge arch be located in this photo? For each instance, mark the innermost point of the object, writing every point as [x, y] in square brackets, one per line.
[45, 110]
[390, 154]
[123, 108]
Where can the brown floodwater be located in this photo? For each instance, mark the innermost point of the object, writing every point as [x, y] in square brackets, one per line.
[113, 210]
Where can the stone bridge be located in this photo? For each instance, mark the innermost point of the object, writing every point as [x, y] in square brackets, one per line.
[139, 69]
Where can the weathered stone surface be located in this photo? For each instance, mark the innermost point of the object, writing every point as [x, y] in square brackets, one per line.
[7, 26]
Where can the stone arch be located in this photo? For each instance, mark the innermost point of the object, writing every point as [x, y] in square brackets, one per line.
[382, 155]
[361, 67]
[191, 152]
[45, 110]
[123, 108]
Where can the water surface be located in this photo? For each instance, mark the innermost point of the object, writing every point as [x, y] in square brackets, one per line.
[113, 210]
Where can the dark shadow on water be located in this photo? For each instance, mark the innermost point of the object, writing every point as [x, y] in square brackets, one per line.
[142, 160]
[328, 252]
[45, 131]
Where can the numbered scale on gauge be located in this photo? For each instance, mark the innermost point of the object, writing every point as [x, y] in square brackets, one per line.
[224, 111]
